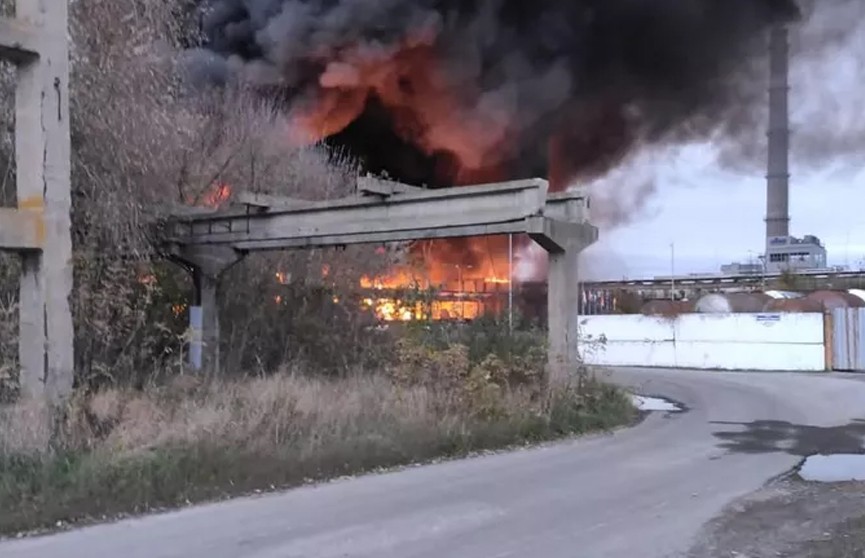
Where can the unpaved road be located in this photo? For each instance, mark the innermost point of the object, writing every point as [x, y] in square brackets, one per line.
[644, 491]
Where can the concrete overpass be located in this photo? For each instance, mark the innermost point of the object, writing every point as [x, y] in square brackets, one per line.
[209, 242]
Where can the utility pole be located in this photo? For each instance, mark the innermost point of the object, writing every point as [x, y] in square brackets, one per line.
[511, 283]
[672, 271]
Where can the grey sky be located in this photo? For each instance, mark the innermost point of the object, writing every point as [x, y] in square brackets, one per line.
[713, 213]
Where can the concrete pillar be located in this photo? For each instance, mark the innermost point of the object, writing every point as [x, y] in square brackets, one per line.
[204, 323]
[563, 295]
[42, 146]
[564, 233]
[207, 265]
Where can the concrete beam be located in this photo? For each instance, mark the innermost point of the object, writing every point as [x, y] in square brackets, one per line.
[557, 236]
[267, 201]
[382, 237]
[464, 211]
[20, 41]
[21, 231]
[370, 185]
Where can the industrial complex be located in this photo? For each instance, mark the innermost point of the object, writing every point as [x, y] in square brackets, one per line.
[796, 266]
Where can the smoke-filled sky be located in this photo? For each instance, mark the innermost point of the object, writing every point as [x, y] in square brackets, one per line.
[444, 91]
[712, 208]
[460, 91]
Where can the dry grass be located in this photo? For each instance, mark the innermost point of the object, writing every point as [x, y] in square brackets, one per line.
[122, 450]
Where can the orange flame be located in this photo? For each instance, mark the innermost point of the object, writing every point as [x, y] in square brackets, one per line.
[466, 275]
[420, 96]
[217, 195]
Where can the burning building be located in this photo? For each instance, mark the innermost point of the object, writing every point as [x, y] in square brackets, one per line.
[456, 92]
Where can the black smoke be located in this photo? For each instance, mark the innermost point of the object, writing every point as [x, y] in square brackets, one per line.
[598, 78]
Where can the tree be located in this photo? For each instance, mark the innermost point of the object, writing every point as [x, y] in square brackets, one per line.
[144, 144]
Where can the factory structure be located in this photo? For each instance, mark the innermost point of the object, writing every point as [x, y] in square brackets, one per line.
[783, 252]
[792, 273]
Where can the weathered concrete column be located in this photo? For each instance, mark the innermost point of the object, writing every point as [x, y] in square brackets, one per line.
[42, 145]
[207, 264]
[204, 323]
[563, 295]
[564, 233]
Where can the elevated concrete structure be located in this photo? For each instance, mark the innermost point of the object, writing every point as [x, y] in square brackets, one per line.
[383, 211]
[39, 228]
[690, 286]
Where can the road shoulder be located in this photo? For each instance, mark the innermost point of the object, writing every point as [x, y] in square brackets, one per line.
[789, 518]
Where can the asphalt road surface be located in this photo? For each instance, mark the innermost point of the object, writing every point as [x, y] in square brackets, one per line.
[641, 492]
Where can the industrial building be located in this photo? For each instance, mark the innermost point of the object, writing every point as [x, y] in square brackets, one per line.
[783, 252]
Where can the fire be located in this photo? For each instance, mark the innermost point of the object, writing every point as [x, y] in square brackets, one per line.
[463, 278]
[216, 195]
[429, 108]
[391, 310]
[438, 113]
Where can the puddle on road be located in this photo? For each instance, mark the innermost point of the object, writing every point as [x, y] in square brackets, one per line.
[772, 436]
[643, 403]
[839, 467]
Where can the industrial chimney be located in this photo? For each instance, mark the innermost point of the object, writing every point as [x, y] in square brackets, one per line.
[778, 174]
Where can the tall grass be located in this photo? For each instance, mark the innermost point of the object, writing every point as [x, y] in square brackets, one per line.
[124, 450]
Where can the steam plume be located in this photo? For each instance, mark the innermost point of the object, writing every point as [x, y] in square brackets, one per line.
[453, 91]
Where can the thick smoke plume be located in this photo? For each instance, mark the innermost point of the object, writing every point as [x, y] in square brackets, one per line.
[444, 92]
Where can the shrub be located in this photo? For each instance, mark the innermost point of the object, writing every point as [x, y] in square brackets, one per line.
[128, 450]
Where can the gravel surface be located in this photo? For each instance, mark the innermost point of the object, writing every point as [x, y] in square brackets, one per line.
[792, 519]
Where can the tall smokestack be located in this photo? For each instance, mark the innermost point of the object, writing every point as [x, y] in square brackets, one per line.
[778, 173]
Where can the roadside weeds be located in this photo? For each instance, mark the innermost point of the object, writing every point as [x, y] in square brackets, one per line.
[130, 452]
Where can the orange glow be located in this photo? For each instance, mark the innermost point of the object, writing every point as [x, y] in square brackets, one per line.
[217, 195]
[438, 113]
[465, 275]
[391, 309]
[283, 278]
[398, 278]
[426, 104]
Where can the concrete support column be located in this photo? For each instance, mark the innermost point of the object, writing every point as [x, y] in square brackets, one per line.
[204, 323]
[207, 264]
[564, 232]
[563, 296]
[43, 184]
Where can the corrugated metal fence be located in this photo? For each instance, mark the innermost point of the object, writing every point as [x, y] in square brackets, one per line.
[848, 339]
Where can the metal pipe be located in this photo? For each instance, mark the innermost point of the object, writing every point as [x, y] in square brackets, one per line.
[511, 283]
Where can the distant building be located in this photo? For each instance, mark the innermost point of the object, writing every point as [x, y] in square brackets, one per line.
[738, 268]
[790, 253]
